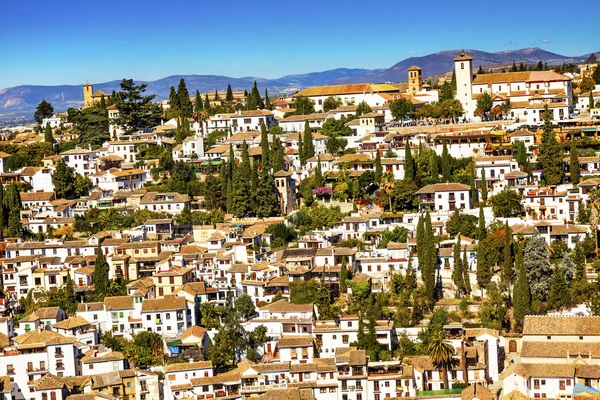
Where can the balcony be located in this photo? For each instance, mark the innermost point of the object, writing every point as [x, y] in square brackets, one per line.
[59, 355]
[262, 388]
[32, 371]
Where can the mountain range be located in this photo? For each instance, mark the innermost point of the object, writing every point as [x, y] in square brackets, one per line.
[22, 100]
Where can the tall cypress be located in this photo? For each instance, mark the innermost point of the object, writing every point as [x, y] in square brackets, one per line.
[550, 153]
[229, 94]
[430, 260]
[264, 147]
[484, 189]
[242, 182]
[48, 138]
[457, 269]
[421, 245]
[309, 146]
[268, 104]
[198, 106]
[409, 166]
[574, 163]
[473, 188]
[173, 101]
[300, 149]
[378, 168]
[207, 106]
[521, 297]
[277, 156]
[559, 291]
[507, 259]
[466, 276]
[217, 98]
[446, 163]
[266, 195]
[101, 270]
[185, 104]
[318, 173]
[481, 231]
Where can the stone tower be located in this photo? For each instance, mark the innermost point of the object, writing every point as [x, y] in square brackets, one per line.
[87, 94]
[415, 80]
[463, 67]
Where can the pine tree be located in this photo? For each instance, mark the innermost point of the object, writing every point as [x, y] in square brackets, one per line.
[446, 163]
[185, 104]
[198, 106]
[457, 269]
[507, 262]
[229, 94]
[466, 276]
[378, 169]
[484, 188]
[550, 154]
[309, 146]
[481, 231]
[48, 138]
[318, 174]
[264, 147]
[559, 292]
[409, 166]
[268, 104]
[537, 265]
[574, 163]
[173, 101]
[101, 269]
[521, 298]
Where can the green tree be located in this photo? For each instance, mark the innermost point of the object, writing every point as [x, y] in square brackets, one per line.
[268, 104]
[378, 168]
[244, 305]
[173, 102]
[559, 292]
[484, 188]
[521, 294]
[304, 106]
[309, 148]
[409, 166]
[229, 94]
[481, 231]
[266, 195]
[507, 259]
[63, 180]
[277, 156]
[446, 163]
[484, 104]
[92, 126]
[507, 204]
[242, 203]
[537, 265]
[301, 149]
[401, 109]
[81, 185]
[331, 103]
[264, 147]
[318, 174]
[48, 138]
[574, 163]
[457, 270]
[198, 105]
[343, 275]
[472, 188]
[550, 153]
[466, 276]
[494, 311]
[136, 111]
[101, 269]
[404, 197]
[441, 353]
[185, 104]
[521, 156]
[362, 108]
[43, 110]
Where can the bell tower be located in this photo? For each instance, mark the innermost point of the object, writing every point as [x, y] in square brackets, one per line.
[463, 68]
[87, 94]
[415, 80]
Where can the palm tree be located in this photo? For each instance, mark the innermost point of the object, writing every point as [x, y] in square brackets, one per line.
[211, 315]
[441, 352]
[388, 184]
[201, 116]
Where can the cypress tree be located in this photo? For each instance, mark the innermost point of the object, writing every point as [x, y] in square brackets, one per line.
[268, 104]
[378, 168]
[521, 298]
[484, 272]
[434, 166]
[484, 189]
[507, 263]
[185, 104]
[410, 279]
[15, 228]
[409, 166]
[343, 275]
[591, 99]
[232, 169]
[277, 156]
[522, 67]
[446, 163]
[453, 80]
[264, 147]
[103, 103]
[48, 138]
[473, 188]
[481, 231]
[309, 146]
[229, 94]
[100, 275]
[173, 101]
[242, 182]
[466, 276]
[198, 106]
[301, 149]
[430, 259]
[559, 292]
[318, 173]
[254, 187]
[217, 98]
[421, 244]
[574, 163]
[207, 106]
[457, 269]
[3, 210]
[550, 154]
[514, 67]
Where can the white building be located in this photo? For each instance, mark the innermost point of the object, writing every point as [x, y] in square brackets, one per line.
[445, 197]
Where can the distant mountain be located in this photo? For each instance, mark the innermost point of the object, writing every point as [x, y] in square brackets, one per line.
[22, 100]
[443, 61]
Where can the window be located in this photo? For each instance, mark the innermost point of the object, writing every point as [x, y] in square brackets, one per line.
[345, 339]
[91, 366]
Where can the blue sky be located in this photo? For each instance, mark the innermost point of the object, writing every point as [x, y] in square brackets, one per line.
[69, 42]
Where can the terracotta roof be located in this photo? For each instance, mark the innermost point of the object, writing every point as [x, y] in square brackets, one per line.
[195, 331]
[345, 89]
[118, 302]
[351, 355]
[41, 338]
[96, 306]
[443, 187]
[561, 325]
[295, 341]
[48, 382]
[559, 349]
[463, 57]
[287, 394]
[545, 370]
[47, 312]
[167, 303]
[108, 357]
[284, 306]
[71, 323]
[37, 196]
[188, 366]
[514, 395]
[476, 392]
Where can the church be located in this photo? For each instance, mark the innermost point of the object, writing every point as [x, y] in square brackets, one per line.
[90, 98]
[528, 92]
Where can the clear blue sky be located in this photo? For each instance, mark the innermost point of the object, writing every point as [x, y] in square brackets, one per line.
[69, 42]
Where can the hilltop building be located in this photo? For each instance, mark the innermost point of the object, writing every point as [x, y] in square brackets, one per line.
[90, 98]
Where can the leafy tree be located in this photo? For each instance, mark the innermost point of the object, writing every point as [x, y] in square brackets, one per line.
[362, 108]
[507, 204]
[450, 109]
[304, 105]
[586, 84]
[244, 305]
[494, 311]
[463, 224]
[136, 111]
[574, 163]
[101, 269]
[550, 153]
[92, 126]
[484, 103]
[48, 138]
[559, 292]
[539, 272]
[401, 109]
[43, 110]
[63, 180]
[211, 315]
[399, 235]
[331, 103]
[82, 185]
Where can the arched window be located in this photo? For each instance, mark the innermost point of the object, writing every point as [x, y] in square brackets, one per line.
[462, 65]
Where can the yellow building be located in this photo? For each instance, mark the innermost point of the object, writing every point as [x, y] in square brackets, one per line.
[90, 98]
[415, 80]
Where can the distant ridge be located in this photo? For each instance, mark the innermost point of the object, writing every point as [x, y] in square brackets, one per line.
[22, 100]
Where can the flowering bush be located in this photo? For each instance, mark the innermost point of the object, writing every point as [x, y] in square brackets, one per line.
[322, 191]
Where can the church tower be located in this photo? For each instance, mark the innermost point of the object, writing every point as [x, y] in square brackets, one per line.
[87, 94]
[463, 67]
[415, 80]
